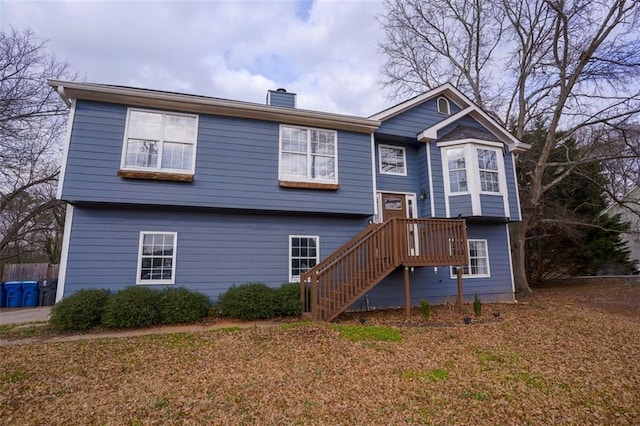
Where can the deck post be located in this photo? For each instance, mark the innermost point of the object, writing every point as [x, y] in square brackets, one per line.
[460, 291]
[407, 297]
[314, 297]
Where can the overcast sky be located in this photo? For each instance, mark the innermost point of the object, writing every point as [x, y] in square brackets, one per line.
[325, 51]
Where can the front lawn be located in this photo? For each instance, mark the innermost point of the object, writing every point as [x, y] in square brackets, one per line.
[569, 355]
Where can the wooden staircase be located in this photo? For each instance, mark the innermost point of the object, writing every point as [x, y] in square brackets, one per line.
[334, 284]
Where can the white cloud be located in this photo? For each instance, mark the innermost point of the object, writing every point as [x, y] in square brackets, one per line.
[325, 51]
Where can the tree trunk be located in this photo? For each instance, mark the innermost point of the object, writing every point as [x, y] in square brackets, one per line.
[518, 234]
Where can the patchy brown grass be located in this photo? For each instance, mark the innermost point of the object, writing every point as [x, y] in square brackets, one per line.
[569, 355]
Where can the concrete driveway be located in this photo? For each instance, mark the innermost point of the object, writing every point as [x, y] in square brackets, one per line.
[23, 315]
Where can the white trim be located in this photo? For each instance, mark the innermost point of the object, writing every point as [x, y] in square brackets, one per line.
[65, 149]
[499, 145]
[430, 173]
[515, 183]
[291, 237]
[473, 177]
[209, 105]
[174, 257]
[404, 159]
[431, 133]
[374, 176]
[64, 255]
[161, 143]
[448, 111]
[458, 98]
[513, 280]
[307, 179]
[452, 275]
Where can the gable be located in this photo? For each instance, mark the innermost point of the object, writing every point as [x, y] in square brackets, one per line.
[403, 119]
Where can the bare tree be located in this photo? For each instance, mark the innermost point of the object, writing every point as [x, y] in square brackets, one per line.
[32, 121]
[572, 64]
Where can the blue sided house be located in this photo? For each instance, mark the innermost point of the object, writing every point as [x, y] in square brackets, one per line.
[169, 189]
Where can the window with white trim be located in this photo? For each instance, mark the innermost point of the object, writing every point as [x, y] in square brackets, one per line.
[457, 167]
[157, 258]
[393, 160]
[160, 141]
[478, 266]
[303, 255]
[308, 155]
[488, 170]
[443, 106]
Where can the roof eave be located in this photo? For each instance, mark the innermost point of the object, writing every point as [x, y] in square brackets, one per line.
[214, 106]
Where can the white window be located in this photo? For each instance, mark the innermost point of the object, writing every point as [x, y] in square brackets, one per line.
[156, 141]
[457, 167]
[157, 258]
[308, 155]
[443, 106]
[393, 160]
[488, 169]
[303, 255]
[478, 266]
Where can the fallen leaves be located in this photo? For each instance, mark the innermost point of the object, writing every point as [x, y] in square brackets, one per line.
[567, 356]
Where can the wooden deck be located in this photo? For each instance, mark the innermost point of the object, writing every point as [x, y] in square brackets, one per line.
[351, 271]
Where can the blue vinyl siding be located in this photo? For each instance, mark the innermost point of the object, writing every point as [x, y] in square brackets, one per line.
[492, 205]
[424, 206]
[438, 180]
[438, 287]
[460, 205]
[512, 187]
[214, 250]
[411, 122]
[408, 183]
[236, 167]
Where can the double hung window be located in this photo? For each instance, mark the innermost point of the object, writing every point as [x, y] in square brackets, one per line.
[303, 255]
[478, 266]
[157, 258]
[160, 142]
[308, 155]
[393, 160]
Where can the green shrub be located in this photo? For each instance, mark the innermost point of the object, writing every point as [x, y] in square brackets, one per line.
[249, 301]
[134, 306]
[477, 305]
[180, 305]
[80, 311]
[425, 309]
[288, 300]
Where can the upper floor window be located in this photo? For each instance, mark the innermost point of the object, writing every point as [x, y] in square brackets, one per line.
[392, 160]
[308, 155]
[457, 170]
[474, 168]
[443, 106]
[488, 169]
[157, 141]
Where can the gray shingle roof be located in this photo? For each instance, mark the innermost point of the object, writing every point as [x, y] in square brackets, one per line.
[467, 132]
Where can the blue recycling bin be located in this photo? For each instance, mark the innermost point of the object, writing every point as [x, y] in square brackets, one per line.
[3, 299]
[13, 291]
[30, 294]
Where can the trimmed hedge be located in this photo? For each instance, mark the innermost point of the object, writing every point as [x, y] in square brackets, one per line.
[288, 299]
[133, 306]
[256, 300]
[180, 305]
[80, 311]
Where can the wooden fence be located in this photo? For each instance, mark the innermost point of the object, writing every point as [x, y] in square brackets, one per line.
[29, 271]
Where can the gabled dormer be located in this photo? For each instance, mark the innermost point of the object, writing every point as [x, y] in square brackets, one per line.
[465, 159]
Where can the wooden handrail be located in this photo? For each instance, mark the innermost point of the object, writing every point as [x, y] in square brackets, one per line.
[347, 274]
